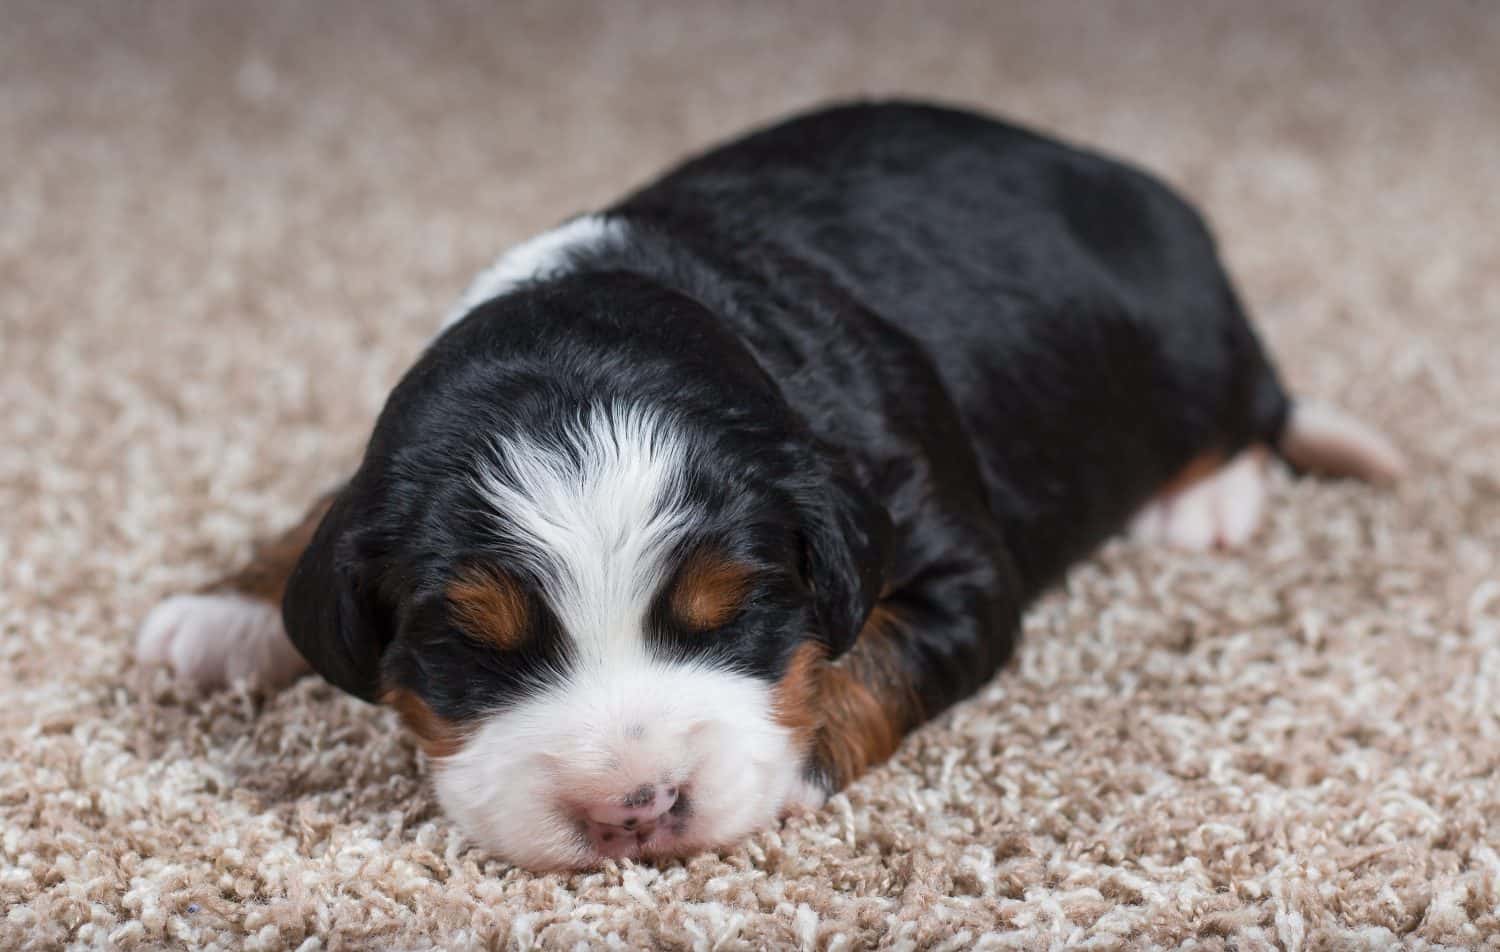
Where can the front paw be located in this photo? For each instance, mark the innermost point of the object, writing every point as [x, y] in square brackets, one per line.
[211, 640]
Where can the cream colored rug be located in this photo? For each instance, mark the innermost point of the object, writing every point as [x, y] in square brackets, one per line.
[226, 228]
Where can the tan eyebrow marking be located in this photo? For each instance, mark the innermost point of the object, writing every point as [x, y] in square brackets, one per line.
[709, 591]
[489, 606]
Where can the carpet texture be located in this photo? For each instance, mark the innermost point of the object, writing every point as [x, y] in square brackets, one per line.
[226, 228]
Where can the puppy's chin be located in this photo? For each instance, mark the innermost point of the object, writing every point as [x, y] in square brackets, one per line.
[645, 761]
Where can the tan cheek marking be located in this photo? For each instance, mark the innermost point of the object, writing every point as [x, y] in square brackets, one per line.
[850, 714]
[798, 693]
[489, 607]
[438, 736]
[709, 591]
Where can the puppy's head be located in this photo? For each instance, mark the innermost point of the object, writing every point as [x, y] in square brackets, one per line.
[601, 616]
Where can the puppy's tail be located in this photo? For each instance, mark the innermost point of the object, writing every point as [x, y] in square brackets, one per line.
[1323, 439]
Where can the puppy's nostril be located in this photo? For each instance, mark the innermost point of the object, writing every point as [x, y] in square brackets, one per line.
[641, 795]
[649, 818]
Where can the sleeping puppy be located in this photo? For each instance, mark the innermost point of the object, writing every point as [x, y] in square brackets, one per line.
[698, 504]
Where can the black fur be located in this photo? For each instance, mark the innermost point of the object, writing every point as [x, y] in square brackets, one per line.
[926, 353]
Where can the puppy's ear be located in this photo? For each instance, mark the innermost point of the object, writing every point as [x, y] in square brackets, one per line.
[848, 535]
[332, 607]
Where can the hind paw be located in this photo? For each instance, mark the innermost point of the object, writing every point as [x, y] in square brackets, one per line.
[1221, 510]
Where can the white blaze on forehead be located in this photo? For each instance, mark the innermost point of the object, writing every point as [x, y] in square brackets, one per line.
[549, 254]
[596, 509]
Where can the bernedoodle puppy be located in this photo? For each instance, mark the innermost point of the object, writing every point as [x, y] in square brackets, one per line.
[698, 504]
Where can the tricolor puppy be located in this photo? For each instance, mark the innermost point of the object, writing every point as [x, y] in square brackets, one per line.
[700, 503]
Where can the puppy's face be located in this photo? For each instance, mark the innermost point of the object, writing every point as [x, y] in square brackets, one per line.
[603, 674]
[603, 628]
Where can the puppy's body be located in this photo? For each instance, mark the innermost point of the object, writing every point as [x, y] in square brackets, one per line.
[970, 313]
[704, 501]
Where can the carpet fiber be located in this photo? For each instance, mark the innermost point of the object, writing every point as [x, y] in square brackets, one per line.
[226, 228]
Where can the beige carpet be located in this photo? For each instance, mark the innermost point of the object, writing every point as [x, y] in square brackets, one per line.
[224, 231]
